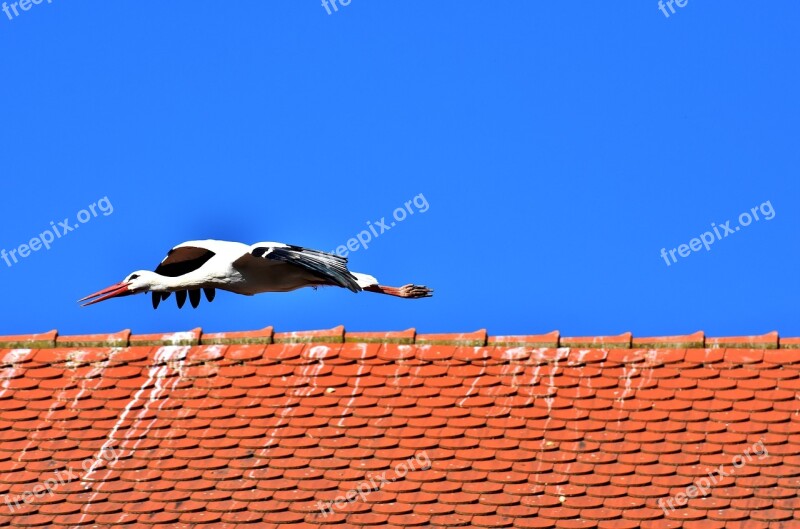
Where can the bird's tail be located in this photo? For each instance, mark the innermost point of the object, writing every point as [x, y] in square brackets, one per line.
[364, 280]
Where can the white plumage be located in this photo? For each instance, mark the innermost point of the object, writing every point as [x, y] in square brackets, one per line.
[195, 266]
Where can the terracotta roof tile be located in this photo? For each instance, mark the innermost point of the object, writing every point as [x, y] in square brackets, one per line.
[621, 341]
[696, 340]
[334, 429]
[47, 339]
[541, 340]
[765, 341]
[177, 338]
[477, 338]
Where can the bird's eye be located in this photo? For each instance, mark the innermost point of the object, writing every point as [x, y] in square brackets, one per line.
[134, 276]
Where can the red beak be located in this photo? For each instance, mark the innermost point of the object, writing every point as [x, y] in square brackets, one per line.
[117, 290]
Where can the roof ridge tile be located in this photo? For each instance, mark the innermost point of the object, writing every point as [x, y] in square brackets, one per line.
[119, 339]
[480, 338]
[620, 341]
[686, 341]
[471, 339]
[335, 335]
[29, 341]
[261, 336]
[769, 340]
[789, 343]
[550, 340]
[174, 338]
[399, 337]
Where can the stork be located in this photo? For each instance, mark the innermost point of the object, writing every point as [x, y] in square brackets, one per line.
[208, 265]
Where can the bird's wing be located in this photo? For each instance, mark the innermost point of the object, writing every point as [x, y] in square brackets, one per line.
[332, 268]
[183, 259]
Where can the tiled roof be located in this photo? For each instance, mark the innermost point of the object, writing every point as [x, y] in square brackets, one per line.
[398, 430]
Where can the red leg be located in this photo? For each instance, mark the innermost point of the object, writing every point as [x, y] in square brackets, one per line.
[406, 291]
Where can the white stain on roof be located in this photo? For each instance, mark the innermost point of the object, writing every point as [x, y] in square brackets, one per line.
[95, 372]
[75, 359]
[348, 407]
[313, 370]
[627, 374]
[166, 358]
[472, 387]
[12, 357]
[15, 356]
[515, 353]
[651, 362]
[177, 338]
[581, 356]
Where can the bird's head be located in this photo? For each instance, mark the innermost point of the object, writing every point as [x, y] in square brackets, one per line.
[142, 281]
[136, 283]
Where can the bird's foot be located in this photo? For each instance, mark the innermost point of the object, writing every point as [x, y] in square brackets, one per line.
[406, 291]
[415, 291]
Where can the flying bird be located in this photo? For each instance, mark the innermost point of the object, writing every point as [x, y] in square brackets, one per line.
[205, 266]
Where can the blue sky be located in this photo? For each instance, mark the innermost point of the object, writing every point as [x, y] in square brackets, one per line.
[559, 147]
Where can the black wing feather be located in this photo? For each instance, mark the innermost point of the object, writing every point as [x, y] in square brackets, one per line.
[194, 298]
[182, 260]
[330, 267]
[158, 297]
